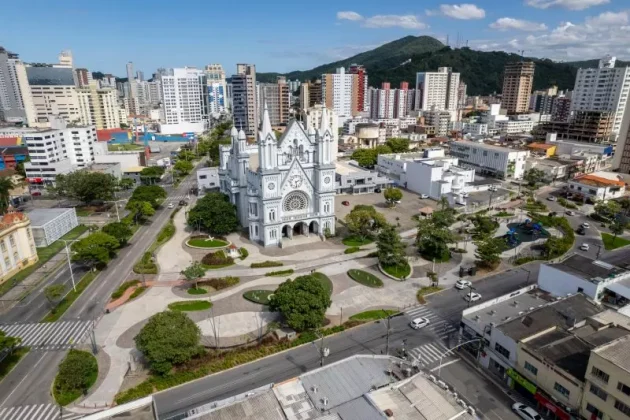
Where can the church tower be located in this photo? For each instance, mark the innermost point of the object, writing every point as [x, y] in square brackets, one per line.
[267, 144]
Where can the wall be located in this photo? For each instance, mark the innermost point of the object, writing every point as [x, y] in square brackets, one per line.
[24, 246]
[559, 283]
[208, 178]
[127, 160]
[182, 128]
[616, 375]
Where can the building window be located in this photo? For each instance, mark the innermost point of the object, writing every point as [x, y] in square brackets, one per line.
[272, 215]
[594, 411]
[623, 388]
[600, 374]
[295, 201]
[326, 207]
[533, 369]
[622, 407]
[7, 262]
[502, 350]
[3, 247]
[599, 392]
[562, 390]
[12, 240]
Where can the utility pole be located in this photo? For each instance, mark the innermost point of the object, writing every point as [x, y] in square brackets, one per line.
[470, 289]
[389, 317]
[323, 351]
[74, 286]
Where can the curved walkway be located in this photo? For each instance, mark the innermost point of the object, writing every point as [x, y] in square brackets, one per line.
[170, 257]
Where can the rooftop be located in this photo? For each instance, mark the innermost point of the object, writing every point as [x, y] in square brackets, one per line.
[617, 352]
[507, 309]
[260, 406]
[103, 166]
[598, 181]
[9, 141]
[15, 150]
[484, 146]
[12, 218]
[39, 217]
[134, 169]
[343, 167]
[587, 268]
[541, 146]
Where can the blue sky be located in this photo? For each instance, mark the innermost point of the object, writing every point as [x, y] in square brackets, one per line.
[283, 35]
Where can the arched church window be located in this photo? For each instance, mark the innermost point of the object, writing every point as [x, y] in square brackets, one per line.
[295, 201]
[272, 215]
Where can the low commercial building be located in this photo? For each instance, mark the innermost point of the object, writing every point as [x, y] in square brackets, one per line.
[512, 126]
[10, 157]
[542, 149]
[208, 178]
[48, 225]
[350, 178]
[17, 247]
[133, 172]
[501, 162]
[554, 169]
[112, 168]
[127, 159]
[599, 186]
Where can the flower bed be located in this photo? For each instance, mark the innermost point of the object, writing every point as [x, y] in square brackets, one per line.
[266, 264]
[216, 260]
[190, 305]
[261, 297]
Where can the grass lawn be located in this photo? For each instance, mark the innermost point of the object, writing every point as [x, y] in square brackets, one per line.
[258, 296]
[9, 362]
[190, 305]
[354, 241]
[617, 243]
[398, 271]
[44, 254]
[426, 291]
[66, 396]
[326, 282]
[69, 299]
[125, 147]
[207, 243]
[373, 315]
[197, 291]
[137, 292]
[365, 278]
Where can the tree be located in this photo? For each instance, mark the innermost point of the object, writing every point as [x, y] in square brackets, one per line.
[391, 249]
[126, 183]
[432, 240]
[302, 302]
[118, 230]
[76, 372]
[398, 145]
[54, 292]
[19, 169]
[534, 176]
[617, 228]
[185, 155]
[169, 338]
[97, 249]
[364, 222]
[366, 158]
[142, 209]
[392, 195]
[8, 342]
[86, 186]
[215, 214]
[607, 209]
[625, 205]
[153, 194]
[152, 174]
[443, 202]
[488, 252]
[183, 167]
[484, 226]
[194, 272]
[6, 185]
[382, 149]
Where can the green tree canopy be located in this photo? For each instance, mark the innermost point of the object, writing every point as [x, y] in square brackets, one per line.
[364, 222]
[86, 186]
[169, 338]
[433, 239]
[617, 228]
[398, 145]
[75, 371]
[126, 183]
[392, 195]
[367, 158]
[488, 252]
[152, 194]
[118, 230]
[6, 185]
[194, 272]
[534, 176]
[183, 167]
[142, 209]
[215, 214]
[8, 342]
[97, 249]
[390, 247]
[152, 174]
[54, 292]
[302, 302]
[187, 155]
[608, 209]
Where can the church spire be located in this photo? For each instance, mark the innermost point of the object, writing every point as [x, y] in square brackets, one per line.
[323, 127]
[266, 125]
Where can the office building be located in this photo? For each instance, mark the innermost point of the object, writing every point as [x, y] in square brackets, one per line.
[361, 86]
[16, 104]
[217, 89]
[438, 89]
[350, 178]
[604, 88]
[17, 248]
[208, 179]
[498, 161]
[184, 101]
[518, 82]
[244, 107]
[382, 102]
[99, 106]
[54, 93]
[340, 92]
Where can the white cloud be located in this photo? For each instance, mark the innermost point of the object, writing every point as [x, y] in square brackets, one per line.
[349, 15]
[384, 21]
[505, 23]
[565, 4]
[460, 11]
[608, 18]
[391, 21]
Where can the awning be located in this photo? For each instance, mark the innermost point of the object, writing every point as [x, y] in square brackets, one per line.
[620, 289]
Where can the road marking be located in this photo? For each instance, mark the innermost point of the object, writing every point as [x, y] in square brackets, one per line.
[445, 364]
[23, 379]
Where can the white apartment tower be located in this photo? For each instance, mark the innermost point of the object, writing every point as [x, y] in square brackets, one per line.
[99, 106]
[438, 89]
[16, 103]
[338, 92]
[217, 89]
[382, 102]
[604, 88]
[184, 101]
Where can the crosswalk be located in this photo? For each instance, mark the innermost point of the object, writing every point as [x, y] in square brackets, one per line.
[47, 336]
[438, 325]
[37, 412]
[431, 353]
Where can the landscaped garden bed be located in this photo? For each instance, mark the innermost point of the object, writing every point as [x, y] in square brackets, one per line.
[354, 241]
[325, 281]
[204, 241]
[365, 278]
[373, 315]
[190, 305]
[399, 271]
[216, 260]
[258, 296]
[610, 242]
[77, 373]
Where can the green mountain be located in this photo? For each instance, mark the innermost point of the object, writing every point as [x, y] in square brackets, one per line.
[482, 71]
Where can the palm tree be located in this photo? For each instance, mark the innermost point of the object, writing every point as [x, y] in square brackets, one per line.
[6, 185]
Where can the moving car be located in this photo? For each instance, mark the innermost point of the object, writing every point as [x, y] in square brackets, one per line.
[345, 203]
[552, 198]
[570, 213]
[183, 202]
[584, 247]
[585, 225]
[472, 297]
[581, 231]
[462, 284]
[424, 195]
[525, 412]
[171, 205]
[418, 323]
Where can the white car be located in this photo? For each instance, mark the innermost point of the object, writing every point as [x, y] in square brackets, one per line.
[171, 205]
[525, 412]
[584, 247]
[424, 195]
[418, 323]
[472, 297]
[551, 198]
[462, 284]
[570, 213]
[585, 225]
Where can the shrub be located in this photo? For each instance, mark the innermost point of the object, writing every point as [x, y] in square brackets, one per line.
[146, 265]
[279, 273]
[352, 250]
[266, 264]
[216, 259]
[123, 287]
[372, 254]
[77, 373]
[244, 253]
[137, 292]
[220, 283]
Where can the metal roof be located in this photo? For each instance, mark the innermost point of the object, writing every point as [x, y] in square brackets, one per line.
[263, 406]
[40, 217]
[617, 352]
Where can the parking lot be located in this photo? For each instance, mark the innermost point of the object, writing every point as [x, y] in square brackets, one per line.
[402, 213]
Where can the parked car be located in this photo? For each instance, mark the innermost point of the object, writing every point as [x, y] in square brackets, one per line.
[462, 284]
[585, 225]
[377, 190]
[171, 205]
[183, 202]
[584, 247]
[424, 195]
[581, 231]
[552, 198]
[525, 412]
[418, 323]
[570, 213]
[472, 297]
[345, 203]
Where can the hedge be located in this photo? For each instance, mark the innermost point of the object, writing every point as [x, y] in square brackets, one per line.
[244, 253]
[279, 273]
[123, 287]
[218, 258]
[219, 283]
[352, 250]
[266, 264]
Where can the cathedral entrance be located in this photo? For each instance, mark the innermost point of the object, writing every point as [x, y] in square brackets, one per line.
[300, 229]
[313, 228]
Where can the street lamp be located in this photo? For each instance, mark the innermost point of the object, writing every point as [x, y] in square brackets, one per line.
[116, 205]
[323, 351]
[74, 286]
[453, 348]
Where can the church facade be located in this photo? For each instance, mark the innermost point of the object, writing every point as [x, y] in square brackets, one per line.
[281, 187]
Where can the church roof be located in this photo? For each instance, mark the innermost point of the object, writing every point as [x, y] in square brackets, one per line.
[290, 128]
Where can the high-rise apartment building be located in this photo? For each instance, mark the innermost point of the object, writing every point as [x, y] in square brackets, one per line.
[340, 91]
[99, 106]
[438, 91]
[54, 94]
[315, 95]
[621, 160]
[184, 101]
[361, 86]
[382, 102]
[155, 93]
[604, 88]
[84, 77]
[217, 89]
[304, 95]
[561, 109]
[16, 104]
[518, 82]
[402, 104]
[244, 109]
[276, 96]
[461, 94]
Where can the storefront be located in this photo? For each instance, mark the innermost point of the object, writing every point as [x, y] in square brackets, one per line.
[549, 409]
[522, 385]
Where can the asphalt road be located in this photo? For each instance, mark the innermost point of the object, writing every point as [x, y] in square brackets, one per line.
[365, 339]
[31, 379]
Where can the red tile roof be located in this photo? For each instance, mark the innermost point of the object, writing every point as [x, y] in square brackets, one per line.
[106, 135]
[598, 181]
[9, 141]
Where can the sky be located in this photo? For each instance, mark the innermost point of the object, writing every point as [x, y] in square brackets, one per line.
[283, 35]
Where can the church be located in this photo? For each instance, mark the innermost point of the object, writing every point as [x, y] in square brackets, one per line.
[282, 188]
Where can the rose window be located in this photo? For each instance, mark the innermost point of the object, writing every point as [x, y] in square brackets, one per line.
[295, 201]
